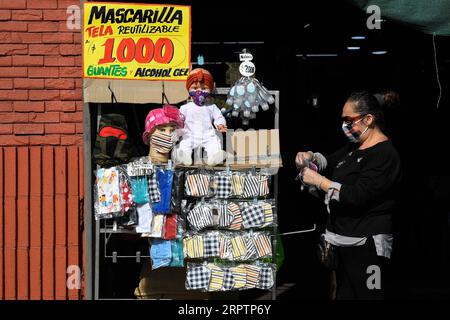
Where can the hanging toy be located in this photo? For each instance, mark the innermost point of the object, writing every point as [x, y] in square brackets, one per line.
[247, 95]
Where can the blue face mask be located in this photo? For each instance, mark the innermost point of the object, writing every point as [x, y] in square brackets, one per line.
[199, 96]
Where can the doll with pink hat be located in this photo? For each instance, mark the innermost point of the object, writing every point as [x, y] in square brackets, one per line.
[160, 132]
[203, 120]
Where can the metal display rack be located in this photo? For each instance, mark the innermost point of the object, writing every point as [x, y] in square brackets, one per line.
[102, 231]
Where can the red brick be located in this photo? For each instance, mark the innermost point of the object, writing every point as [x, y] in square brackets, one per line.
[79, 127]
[71, 25]
[27, 106]
[57, 38]
[43, 26]
[16, 72]
[44, 95]
[76, 94]
[6, 84]
[44, 49]
[70, 49]
[60, 106]
[13, 26]
[20, 83]
[70, 72]
[36, 72]
[27, 15]
[29, 61]
[45, 117]
[13, 4]
[63, 4]
[13, 95]
[6, 129]
[79, 105]
[5, 61]
[72, 117]
[52, 140]
[79, 61]
[5, 14]
[55, 15]
[6, 106]
[71, 140]
[63, 128]
[28, 128]
[14, 140]
[13, 49]
[13, 117]
[57, 61]
[78, 83]
[24, 37]
[59, 84]
[42, 4]
[77, 38]
[6, 37]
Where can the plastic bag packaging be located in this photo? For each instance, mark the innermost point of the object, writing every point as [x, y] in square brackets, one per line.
[177, 191]
[198, 277]
[139, 187]
[177, 253]
[161, 253]
[157, 226]
[129, 219]
[237, 184]
[164, 178]
[139, 167]
[145, 215]
[198, 183]
[170, 227]
[107, 193]
[201, 216]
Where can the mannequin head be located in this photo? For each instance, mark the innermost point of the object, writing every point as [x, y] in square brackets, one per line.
[159, 134]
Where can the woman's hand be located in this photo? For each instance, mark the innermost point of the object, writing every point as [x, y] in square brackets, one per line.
[300, 159]
[311, 177]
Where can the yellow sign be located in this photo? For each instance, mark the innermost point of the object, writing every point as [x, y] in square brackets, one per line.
[139, 42]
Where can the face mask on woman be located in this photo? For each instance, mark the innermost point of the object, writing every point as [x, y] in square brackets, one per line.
[199, 96]
[352, 135]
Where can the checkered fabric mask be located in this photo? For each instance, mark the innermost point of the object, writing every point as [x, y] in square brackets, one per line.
[265, 278]
[197, 278]
[222, 186]
[252, 216]
[153, 190]
[211, 245]
[200, 217]
[228, 280]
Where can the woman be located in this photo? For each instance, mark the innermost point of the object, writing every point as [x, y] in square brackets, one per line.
[360, 182]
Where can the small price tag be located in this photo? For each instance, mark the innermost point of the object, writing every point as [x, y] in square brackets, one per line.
[245, 57]
[247, 68]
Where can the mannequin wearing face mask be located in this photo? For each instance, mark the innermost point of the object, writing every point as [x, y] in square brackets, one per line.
[360, 184]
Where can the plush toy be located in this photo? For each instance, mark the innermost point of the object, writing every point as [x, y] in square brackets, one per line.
[160, 132]
[203, 121]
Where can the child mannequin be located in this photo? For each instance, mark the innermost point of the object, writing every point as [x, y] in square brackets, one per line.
[202, 121]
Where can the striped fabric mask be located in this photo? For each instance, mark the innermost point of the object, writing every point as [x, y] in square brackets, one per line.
[162, 142]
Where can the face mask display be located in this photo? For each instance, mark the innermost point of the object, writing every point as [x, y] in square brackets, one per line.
[352, 134]
[199, 96]
[163, 142]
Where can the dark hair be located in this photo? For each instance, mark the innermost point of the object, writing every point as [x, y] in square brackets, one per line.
[375, 104]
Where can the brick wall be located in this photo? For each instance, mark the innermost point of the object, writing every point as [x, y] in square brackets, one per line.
[40, 74]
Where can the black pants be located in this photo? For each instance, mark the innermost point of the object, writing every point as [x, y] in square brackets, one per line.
[361, 274]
